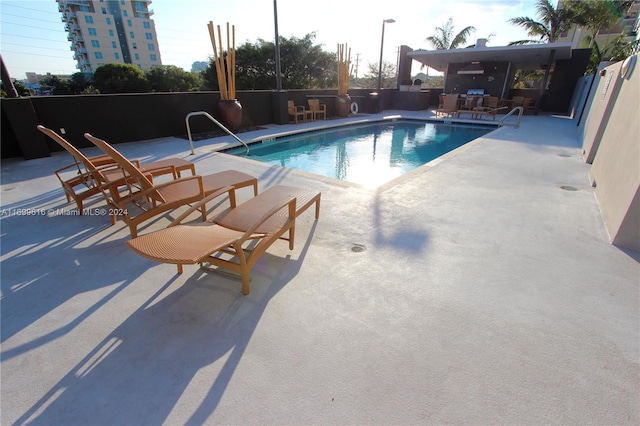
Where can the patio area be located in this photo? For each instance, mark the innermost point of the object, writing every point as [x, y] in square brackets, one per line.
[480, 288]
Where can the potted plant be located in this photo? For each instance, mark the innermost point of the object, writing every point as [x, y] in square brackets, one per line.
[228, 110]
[343, 101]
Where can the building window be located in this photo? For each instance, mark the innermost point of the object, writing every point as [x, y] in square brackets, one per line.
[146, 24]
[132, 34]
[95, 43]
[134, 45]
[124, 13]
[151, 47]
[148, 36]
[111, 34]
[129, 23]
[154, 58]
[116, 55]
[136, 56]
[92, 31]
[114, 45]
[104, 10]
[88, 19]
[98, 55]
[108, 20]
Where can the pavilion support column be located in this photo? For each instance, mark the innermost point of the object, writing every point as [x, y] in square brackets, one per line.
[545, 80]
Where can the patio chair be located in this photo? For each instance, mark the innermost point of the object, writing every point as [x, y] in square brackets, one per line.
[317, 109]
[526, 104]
[81, 184]
[469, 104]
[233, 240]
[144, 200]
[297, 111]
[450, 105]
[517, 101]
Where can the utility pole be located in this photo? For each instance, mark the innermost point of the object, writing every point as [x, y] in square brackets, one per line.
[357, 62]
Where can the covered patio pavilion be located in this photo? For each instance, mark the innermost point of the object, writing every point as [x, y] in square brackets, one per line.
[491, 68]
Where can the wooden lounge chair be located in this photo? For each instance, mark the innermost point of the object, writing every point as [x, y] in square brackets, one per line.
[469, 104]
[317, 110]
[480, 112]
[450, 105]
[144, 200]
[81, 184]
[298, 111]
[222, 241]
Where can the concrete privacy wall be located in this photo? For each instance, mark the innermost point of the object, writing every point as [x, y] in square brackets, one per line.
[612, 139]
[601, 100]
[140, 116]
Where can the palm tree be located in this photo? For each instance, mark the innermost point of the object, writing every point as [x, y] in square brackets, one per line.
[597, 14]
[444, 39]
[551, 23]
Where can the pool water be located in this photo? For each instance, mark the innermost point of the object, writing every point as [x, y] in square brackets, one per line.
[370, 154]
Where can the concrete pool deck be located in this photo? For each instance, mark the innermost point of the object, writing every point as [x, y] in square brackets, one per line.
[478, 289]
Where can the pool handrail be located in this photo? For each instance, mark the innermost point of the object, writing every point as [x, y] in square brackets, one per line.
[520, 112]
[206, 114]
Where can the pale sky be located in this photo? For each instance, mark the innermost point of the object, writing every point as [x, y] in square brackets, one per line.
[32, 36]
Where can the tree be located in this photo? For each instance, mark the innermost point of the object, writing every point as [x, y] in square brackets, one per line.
[53, 85]
[370, 79]
[616, 50]
[169, 78]
[444, 39]
[302, 64]
[550, 24]
[21, 89]
[595, 15]
[120, 78]
[79, 82]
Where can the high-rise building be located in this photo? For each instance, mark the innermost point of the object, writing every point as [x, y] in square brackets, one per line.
[106, 31]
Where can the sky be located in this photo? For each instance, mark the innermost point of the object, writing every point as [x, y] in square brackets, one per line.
[32, 36]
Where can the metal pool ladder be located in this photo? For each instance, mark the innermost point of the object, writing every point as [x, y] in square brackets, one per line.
[520, 112]
[206, 114]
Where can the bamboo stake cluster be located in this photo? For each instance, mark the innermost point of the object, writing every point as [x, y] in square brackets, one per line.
[344, 68]
[225, 67]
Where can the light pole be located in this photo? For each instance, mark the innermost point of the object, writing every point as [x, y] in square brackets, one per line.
[386, 21]
[275, 22]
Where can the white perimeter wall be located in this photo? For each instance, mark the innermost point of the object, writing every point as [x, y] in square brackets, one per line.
[611, 142]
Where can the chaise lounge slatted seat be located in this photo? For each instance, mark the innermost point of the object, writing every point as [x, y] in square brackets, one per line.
[233, 240]
[144, 200]
[81, 184]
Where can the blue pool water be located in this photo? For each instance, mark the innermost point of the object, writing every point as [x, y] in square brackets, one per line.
[370, 154]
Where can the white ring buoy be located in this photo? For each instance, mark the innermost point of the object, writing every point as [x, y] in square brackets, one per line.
[354, 108]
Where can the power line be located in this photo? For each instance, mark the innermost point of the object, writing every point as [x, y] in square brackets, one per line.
[28, 8]
[35, 47]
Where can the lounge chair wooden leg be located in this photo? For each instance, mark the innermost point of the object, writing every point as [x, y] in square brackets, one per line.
[318, 209]
[246, 278]
[292, 234]
[179, 265]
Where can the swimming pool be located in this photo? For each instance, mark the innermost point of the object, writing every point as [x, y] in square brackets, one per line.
[369, 154]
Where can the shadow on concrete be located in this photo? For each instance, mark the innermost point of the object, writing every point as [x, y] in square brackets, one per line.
[140, 371]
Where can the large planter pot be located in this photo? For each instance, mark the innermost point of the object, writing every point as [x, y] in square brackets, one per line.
[343, 105]
[230, 113]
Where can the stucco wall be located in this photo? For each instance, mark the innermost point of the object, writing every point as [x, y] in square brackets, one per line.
[601, 101]
[616, 165]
